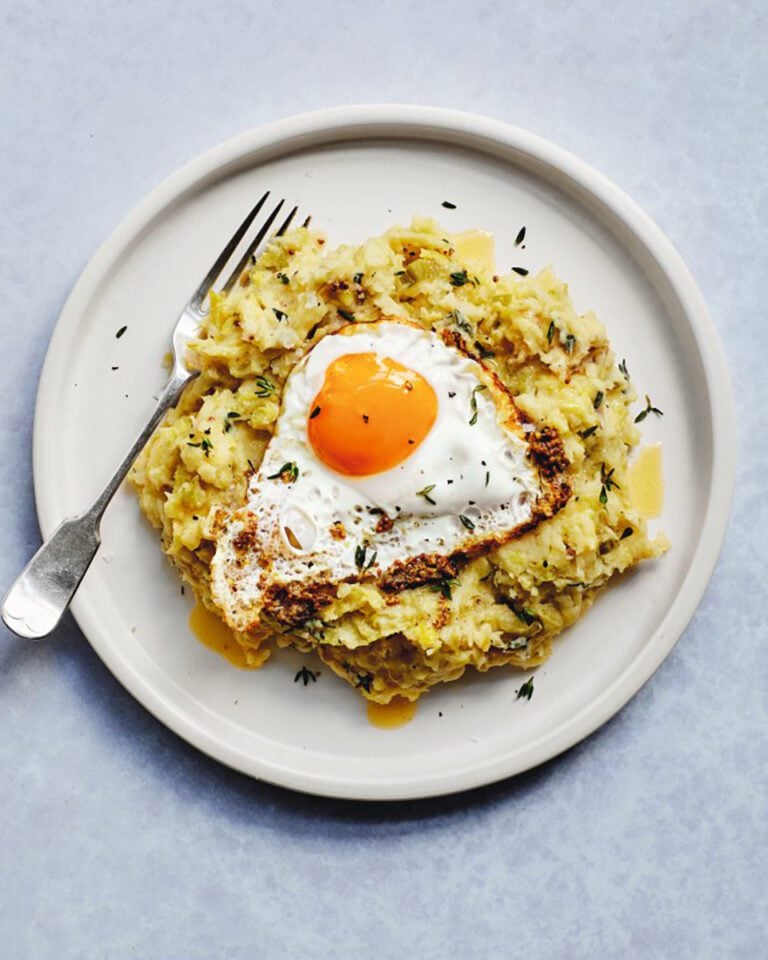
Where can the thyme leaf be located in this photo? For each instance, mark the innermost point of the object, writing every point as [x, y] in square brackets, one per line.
[443, 586]
[473, 403]
[520, 236]
[364, 680]
[362, 561]
[280, 314]
[466, 521]
[288, 473]
[426, 493]
[346, 314]
[264, 388]
[462, 323]
[599, 397]
[306, 675]
[649, 408]
[459, 278]
[526, 690]
[520, 271]
[524, 615]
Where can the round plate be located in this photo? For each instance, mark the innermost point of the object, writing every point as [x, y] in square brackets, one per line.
[359, 170]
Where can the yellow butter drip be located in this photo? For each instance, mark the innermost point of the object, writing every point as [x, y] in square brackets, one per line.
[216, 635]
[389, 716]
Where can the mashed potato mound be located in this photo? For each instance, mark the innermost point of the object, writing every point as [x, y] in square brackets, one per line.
[503, 608]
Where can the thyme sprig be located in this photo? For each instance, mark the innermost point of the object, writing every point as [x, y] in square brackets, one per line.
[362, 561]
[364, 680]
[526, 690]
[473, 403]
[205, 445]
[288, 473]
[649, 408]
[306, 675]
[444, 586]
[462, 323]
[426, 493]
[608, 483]
[264, 388]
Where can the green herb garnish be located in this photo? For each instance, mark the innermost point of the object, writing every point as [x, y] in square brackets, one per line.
[459, 278]
[569, 343]
[315, 413]
[426, 494]
[362, 562]
[524, 615]
[521, 271]
[205, 445]
[448, 205]
[280, 314]
[608, 483]
[443, 586]
[599, 397]
[526, 691]
[466, 521]
[584, 434]
[623, 369]
[283, 278]
[649, 408]
[288, 473]
[264, 388]
[306, 675]
[364, 680]
[550, 331]
[473, 403]
[462, 323]
[520, 236]
[357, 278]
[628, 531]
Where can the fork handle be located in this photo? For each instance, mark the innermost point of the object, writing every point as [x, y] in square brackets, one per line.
[37, 600]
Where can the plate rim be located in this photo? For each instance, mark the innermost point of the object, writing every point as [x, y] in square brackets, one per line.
[407, 121]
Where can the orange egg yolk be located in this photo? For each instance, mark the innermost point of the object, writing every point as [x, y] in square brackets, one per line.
[371, 414]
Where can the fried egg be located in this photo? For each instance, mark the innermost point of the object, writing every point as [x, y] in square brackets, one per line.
[395, 455]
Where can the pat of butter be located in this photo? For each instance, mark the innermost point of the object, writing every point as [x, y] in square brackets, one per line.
[646, 485]
[477, 246]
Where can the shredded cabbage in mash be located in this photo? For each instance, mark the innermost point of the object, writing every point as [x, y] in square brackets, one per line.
[502, 608]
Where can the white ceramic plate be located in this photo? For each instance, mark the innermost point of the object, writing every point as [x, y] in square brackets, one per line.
[358, 170]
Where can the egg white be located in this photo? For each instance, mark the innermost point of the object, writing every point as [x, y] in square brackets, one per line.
[478, 471]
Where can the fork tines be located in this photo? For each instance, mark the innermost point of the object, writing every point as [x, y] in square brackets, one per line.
[224, 257]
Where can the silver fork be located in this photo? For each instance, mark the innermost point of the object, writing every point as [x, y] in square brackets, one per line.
[39, 597]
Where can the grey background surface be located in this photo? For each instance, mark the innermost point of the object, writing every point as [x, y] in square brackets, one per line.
[649, 839]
